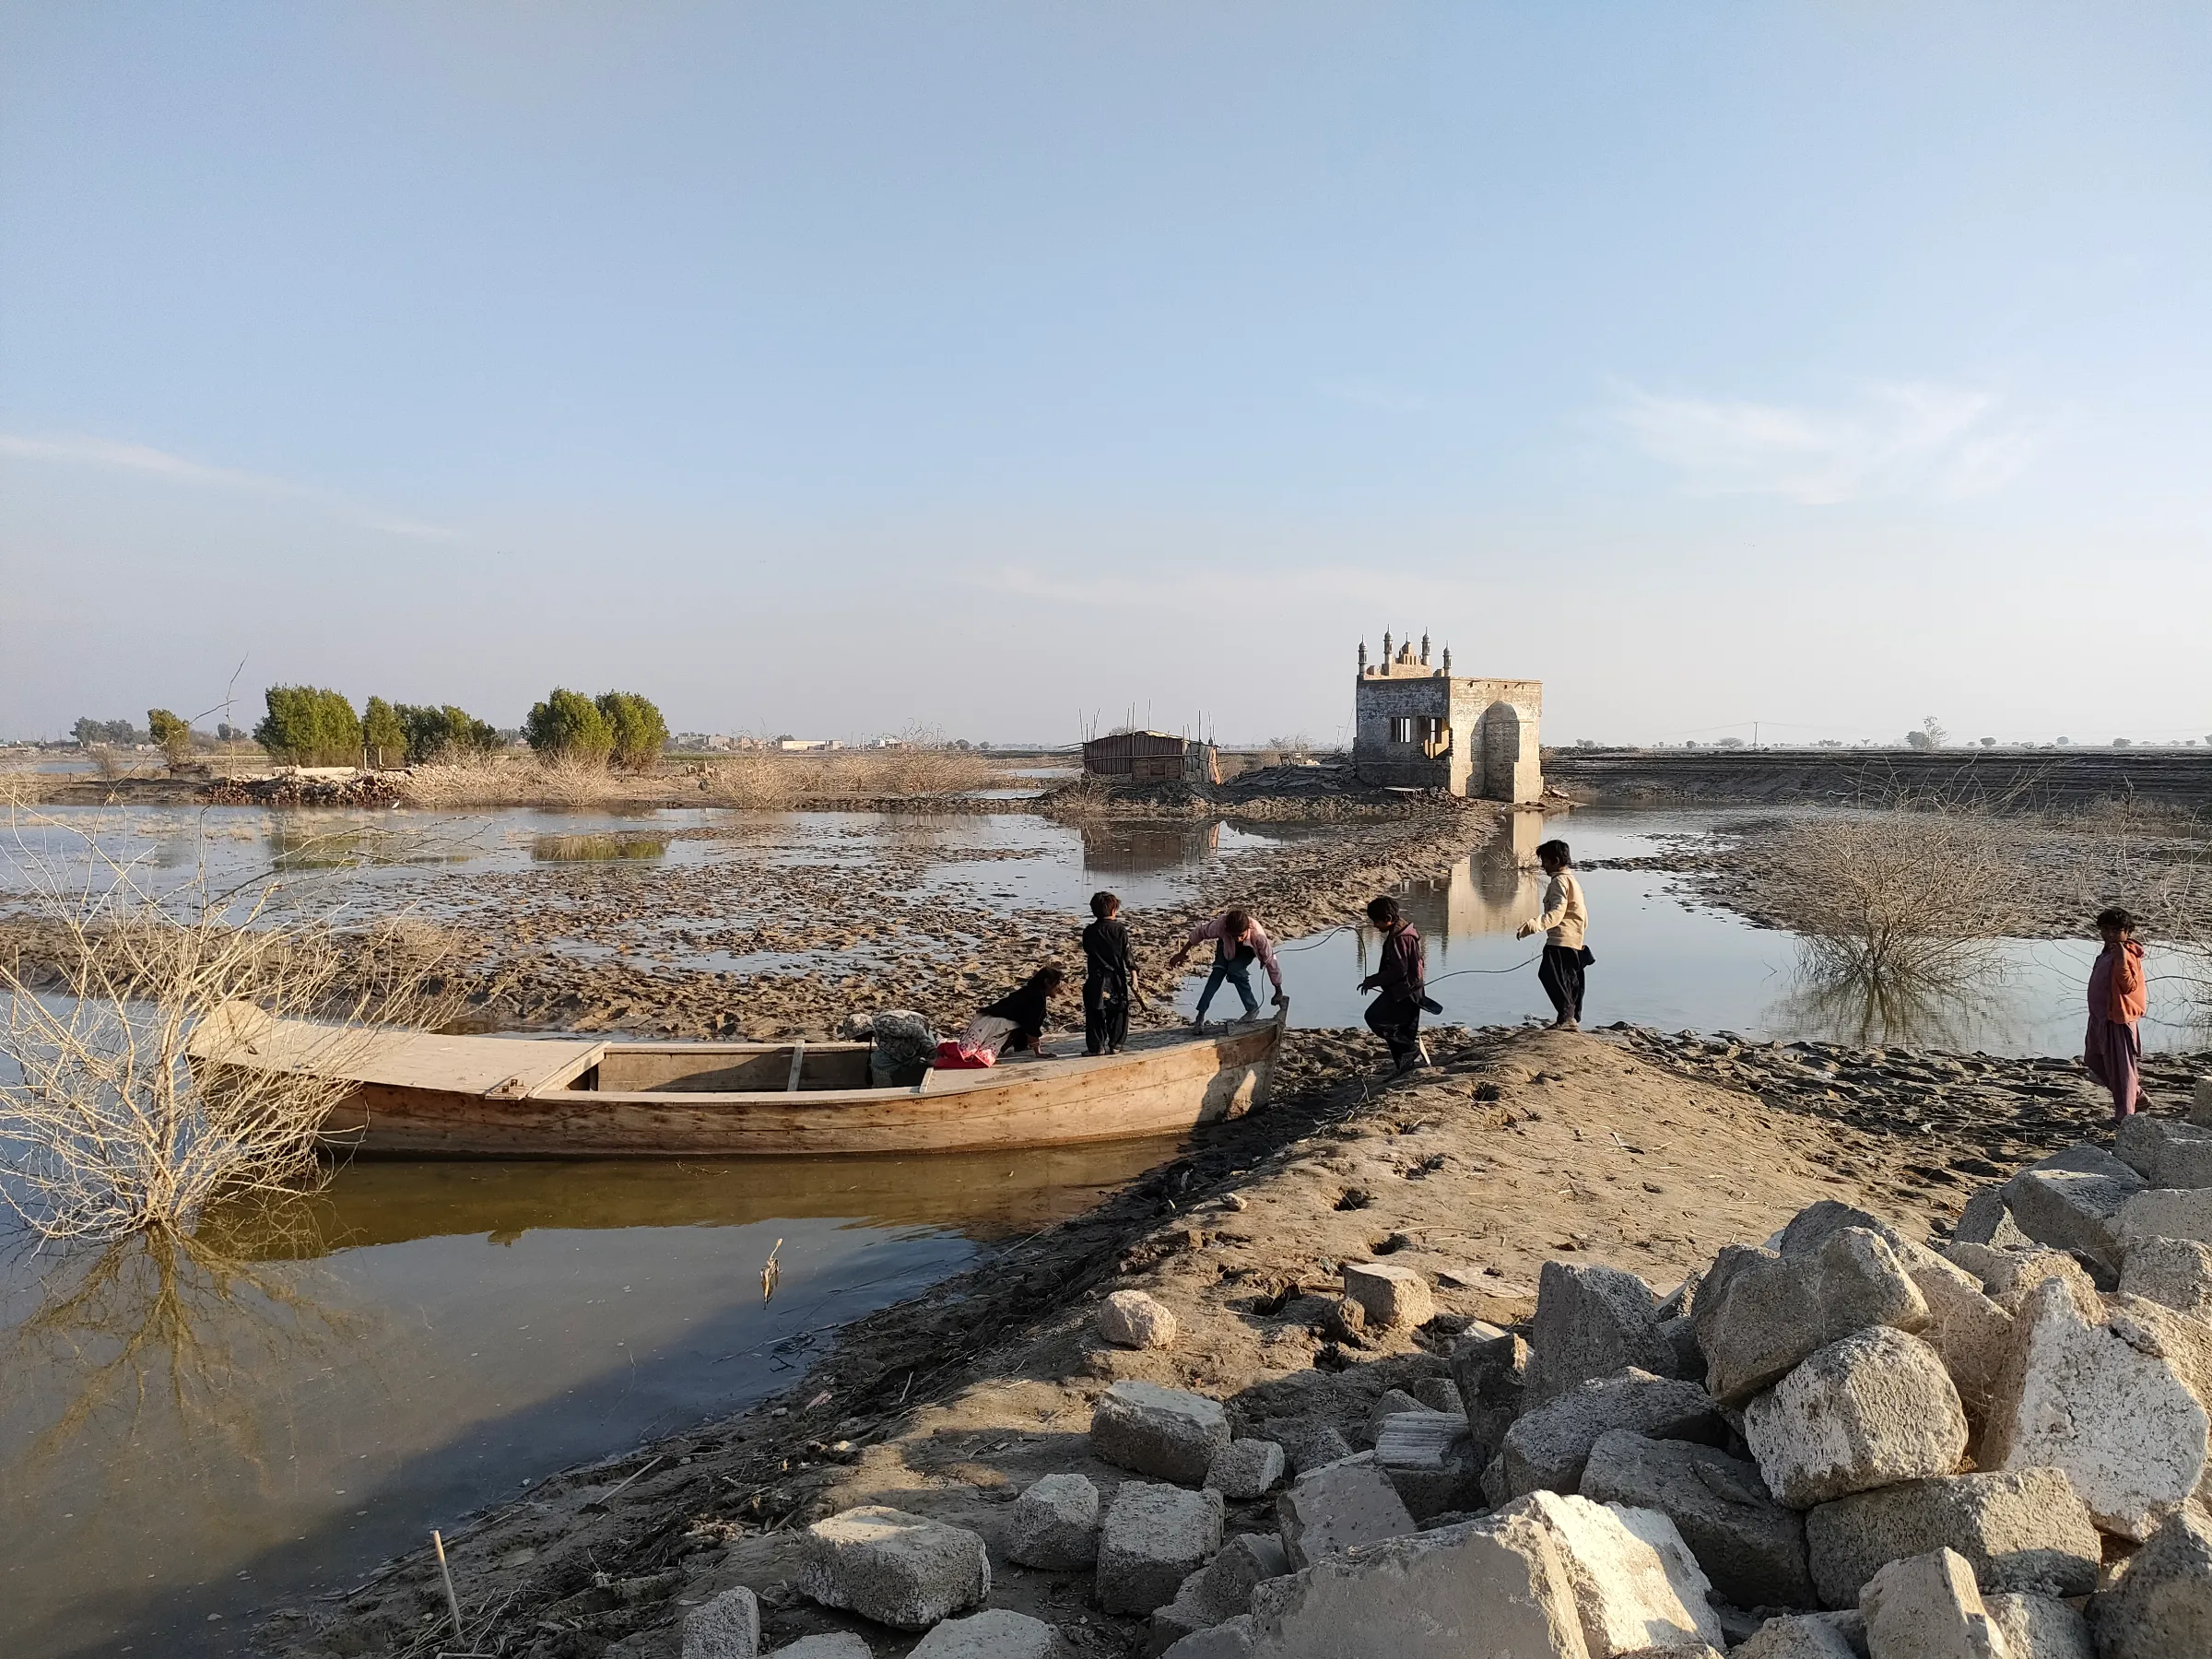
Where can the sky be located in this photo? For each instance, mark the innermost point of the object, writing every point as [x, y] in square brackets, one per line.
[840, 369]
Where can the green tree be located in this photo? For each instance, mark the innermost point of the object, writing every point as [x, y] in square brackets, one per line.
[310, 725]
[173, 735]
[440, 733]
[88, 732]
[383, 733]
[639, 732]
[568, 726]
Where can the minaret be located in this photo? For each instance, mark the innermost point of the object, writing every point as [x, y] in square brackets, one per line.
[1363, 658]
[1424, 648]
[1447, 662]
[1387, 645]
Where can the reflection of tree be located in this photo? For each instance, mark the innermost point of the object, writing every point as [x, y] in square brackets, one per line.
[1927, 1009]
[162, 1339]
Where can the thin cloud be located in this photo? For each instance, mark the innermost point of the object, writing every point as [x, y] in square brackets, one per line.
[145, 458]
[1898, 440]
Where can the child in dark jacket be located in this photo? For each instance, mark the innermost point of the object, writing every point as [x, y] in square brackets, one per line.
[1401, 978]
[1109, 977]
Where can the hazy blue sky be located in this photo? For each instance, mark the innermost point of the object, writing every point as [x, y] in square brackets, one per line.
[830, 366]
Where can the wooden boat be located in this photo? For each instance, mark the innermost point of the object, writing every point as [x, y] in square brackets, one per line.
[422, 1094]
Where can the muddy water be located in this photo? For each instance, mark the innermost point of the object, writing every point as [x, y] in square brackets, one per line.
[189, 1434]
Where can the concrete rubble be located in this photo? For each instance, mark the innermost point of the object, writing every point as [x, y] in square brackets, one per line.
[897, 1568]
[832, 1644]
[994, 1634]
[1545, 1450]
[1928, 1606]
[1339, 1505]
[2160, 1604]
[1796, 1636]
[2040, 1627]
[1165, 1432]
[2073, 1200]
[1875, 1408]
[726, 1628]
[1752, 1548]
[2177, 1272]
[1131, 1319]
[1761, 1312]
[2028, 1531]
[2165, 1154]
[1392, 1298]
[1592, 1323]
[1221, 1590]
[1055, 1525]
[1154, 1537]
[1246, 1468]
[1430, 1460]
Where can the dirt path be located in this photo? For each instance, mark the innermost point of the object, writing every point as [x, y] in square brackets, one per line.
[1522, 1146]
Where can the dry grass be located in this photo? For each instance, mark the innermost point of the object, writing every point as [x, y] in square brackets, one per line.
[111, 1130]
[772, 781]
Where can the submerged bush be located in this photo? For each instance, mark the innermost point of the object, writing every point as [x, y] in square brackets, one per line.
[639, 732]
[568, 726]
[310, 725]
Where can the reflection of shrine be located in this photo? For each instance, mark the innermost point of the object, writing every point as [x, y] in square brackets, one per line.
[1492, 890]
[1149, 848]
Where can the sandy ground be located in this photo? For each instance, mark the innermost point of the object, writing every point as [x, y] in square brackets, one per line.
[1522, 1146]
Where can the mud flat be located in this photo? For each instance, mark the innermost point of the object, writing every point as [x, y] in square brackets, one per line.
[1616, 1147]
[2027, 778]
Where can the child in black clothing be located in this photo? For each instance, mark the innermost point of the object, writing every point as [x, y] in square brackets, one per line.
[1109, 979]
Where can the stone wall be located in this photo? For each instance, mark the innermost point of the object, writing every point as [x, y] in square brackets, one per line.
[1491, 726]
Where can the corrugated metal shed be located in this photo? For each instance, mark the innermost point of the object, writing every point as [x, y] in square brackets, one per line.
[1151, 757]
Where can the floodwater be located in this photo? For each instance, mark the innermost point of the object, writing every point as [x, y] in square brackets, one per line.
[189, 1434]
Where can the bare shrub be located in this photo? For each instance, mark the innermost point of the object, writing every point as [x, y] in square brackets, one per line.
[755, 781]
[104, 760]
[916, 771]
[115, 1127]
[459, 780]
[575, 780]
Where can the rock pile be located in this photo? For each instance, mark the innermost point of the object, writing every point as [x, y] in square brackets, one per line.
[1840, 1442]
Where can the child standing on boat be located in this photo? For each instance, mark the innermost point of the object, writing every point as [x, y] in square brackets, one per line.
[1016, 1021]
[1239, 940]
[1109, 977]
[2113, 1047]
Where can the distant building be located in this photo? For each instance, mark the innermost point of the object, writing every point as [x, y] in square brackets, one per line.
[801, 745]
[1421, 727]
[1151, 757]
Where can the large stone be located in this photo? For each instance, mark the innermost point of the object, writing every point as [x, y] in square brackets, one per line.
[1220, 1590]
[1591, 1323]
[2154, 1328]
[1430, 1460]
[2009, 1277]
[1153, 1539]
[1131, 1319]
[2073, 1201]
[2177, 1272]
[1487, 1365]
[1166, 1432]
[1339, 1505]
[1306, 1444]
[830, 1644]
[2121, 1424]
[2165, 1153]
[1927, 1607]
[1229, 1640]
[1546, 1449]
[1495, 1588]
[1246, 1468]
[1775, 1310]
[897, 1568]
[1439, 1394]
[1393, 1297]
[2164, 1213]
[1873, 1410]
[2200, 1103]
[1636, 1582]
[994, 1634]
[2161, 1606]
[1055, 1525]
[726, 1628]
[2040, 1627]
[1752, 1548]
[1797, 1636]
[2025, 1531]
[1392, 1401]
[1985, 1221]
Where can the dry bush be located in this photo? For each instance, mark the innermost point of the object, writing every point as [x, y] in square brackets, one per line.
[771, 782]
[459, 780]
[115, 1128]
[761, 782]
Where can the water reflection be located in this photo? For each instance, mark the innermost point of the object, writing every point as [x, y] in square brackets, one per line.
[1969, 1009]
[596, 849]
[1147, 849]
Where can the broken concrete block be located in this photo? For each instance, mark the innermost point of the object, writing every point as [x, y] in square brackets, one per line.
[1393, 1297]
[1393, 1402]
[1229, 1641]
[1220, 1590]
[1167, 1433]
[2009, 1277]
[2177, 1272]
[1430, 1460]
[1775, 1311]
[1592, 1322]
[994, 1634]
[1131, 1319]
[2121, 1424]
[1339, 1505]
[1306, 1444]
[1927, 1608]
[2154, 1328]
[726, 1628]
[831, 1644]
[1153, 1539]
[2200, 1104]
[1970, 1334]
[1868, 1411]
[2161, 1606]
[1636, 1582]
[1798, 1637]
[2074, 1204]
[1055, 1525]
[1545, 1450]
[1985, 1221]
[1494, 1587]
[899, 1569]
[2024, 1531]
[1439, 1394]
[2164, 1152]
[1486, 1367]
[2164, 1213]
[1752, 1548]
[1246, 1468]
[2040, 1627]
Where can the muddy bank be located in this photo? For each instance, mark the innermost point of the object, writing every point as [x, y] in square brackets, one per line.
[2020, 779]
[1618, 1147]
[1324, 793]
